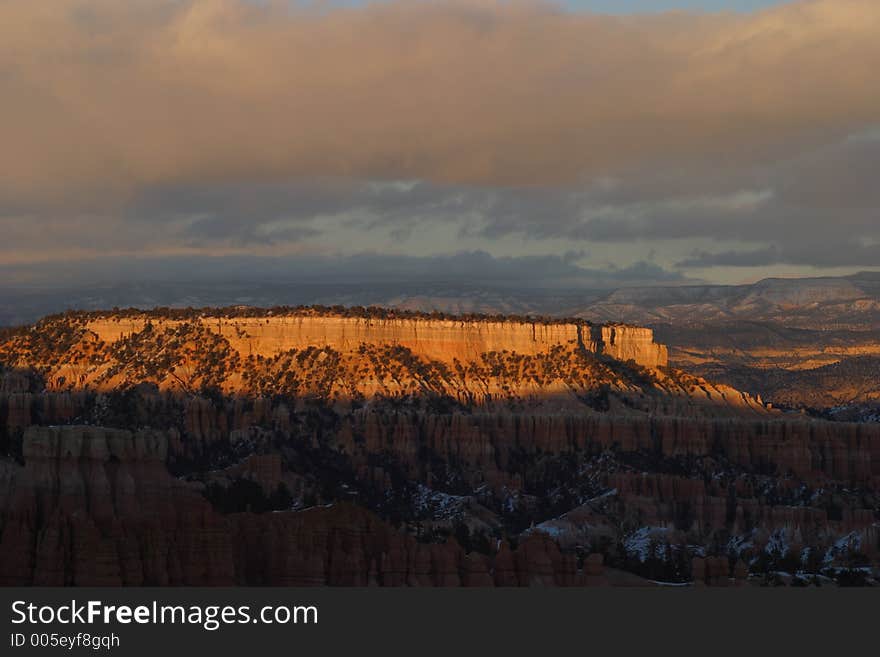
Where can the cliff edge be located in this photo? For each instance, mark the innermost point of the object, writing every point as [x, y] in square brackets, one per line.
[443, 340]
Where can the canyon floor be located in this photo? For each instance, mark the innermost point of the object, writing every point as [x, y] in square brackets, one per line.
[394, 447]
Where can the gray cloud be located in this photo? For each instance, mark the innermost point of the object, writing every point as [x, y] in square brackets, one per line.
[817, 209]
[833, 254]
[756, 258]
[475, 267]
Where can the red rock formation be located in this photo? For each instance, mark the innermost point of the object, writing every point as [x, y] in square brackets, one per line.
[435, 339]
[96, 507]
[630, 343]
[813, 451]
[93, 505]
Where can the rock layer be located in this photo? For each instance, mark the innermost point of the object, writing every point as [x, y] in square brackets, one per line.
[96, 507]
[441, 340]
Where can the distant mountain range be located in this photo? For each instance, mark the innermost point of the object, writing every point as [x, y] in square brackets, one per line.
[809, 342]
[815, 303]
[850, 302]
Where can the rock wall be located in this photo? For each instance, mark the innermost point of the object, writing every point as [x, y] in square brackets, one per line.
[96, 507]
[442, 340]
[811, 450]
[814, 452]
[630, 343]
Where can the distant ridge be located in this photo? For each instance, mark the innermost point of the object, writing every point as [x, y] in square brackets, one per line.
[818, 302]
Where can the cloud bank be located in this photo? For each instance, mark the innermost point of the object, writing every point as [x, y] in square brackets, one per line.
[103, 95]
[232, 126]
[460, 269]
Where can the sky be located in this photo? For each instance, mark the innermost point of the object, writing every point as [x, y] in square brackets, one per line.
[640, 6]
[636, 147]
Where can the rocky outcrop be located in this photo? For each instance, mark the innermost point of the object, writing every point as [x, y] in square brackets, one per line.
[443, 340]
[483, 443]
[630, 343]
[96, 507]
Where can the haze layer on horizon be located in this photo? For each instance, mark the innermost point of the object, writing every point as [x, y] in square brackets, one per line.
[370, 138]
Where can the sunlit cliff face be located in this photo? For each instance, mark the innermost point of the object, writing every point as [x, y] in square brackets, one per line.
[696, 141]
[345, 358]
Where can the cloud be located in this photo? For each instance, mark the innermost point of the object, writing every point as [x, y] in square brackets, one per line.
[691, 217]
[756, 258]
[102, 98]
[840, 253]
[191, 128]
[467, 267]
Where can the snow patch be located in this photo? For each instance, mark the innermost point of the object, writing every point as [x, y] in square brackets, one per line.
[646, 542]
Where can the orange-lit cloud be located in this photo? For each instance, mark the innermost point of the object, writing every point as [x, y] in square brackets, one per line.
[101, 98]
